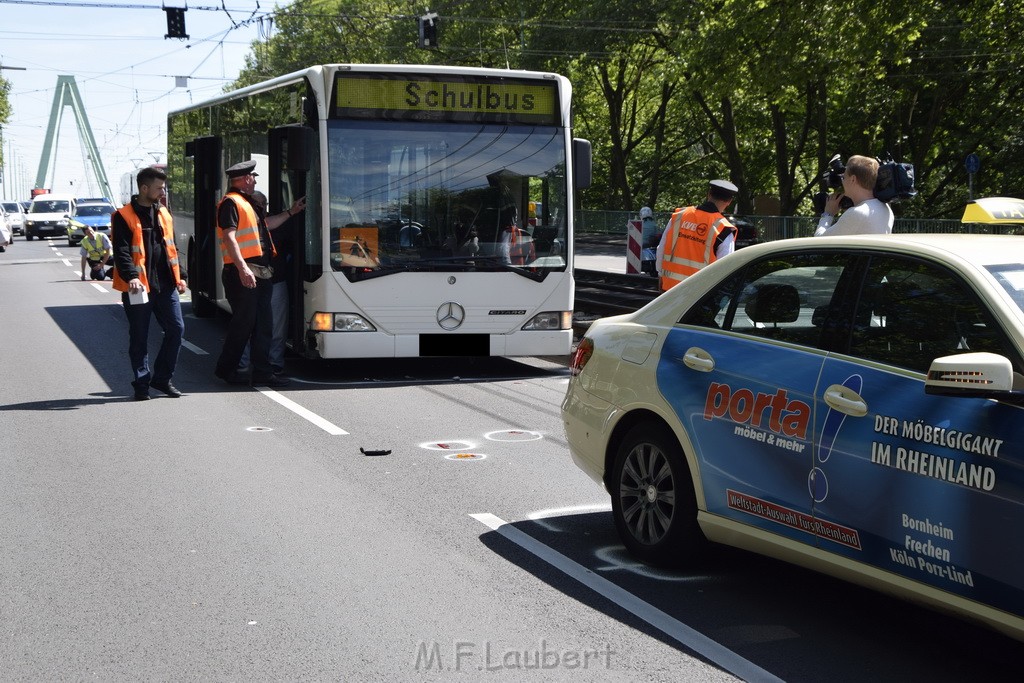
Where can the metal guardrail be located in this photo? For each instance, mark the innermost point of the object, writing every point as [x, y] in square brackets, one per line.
[601, 293]
[772, 228]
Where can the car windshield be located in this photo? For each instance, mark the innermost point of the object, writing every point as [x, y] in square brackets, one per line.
[95, 210]
[1011, 277]
[12, 207]
[51, 206]
[446, 197]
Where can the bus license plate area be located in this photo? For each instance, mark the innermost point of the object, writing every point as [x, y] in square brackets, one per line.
[455, 345]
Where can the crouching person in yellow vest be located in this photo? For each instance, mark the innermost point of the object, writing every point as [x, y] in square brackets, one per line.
[696, 236]
[95, 252]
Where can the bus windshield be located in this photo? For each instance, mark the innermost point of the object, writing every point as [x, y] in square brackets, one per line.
[446, 196]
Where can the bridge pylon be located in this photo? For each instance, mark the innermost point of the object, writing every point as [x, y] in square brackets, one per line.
[67, 95]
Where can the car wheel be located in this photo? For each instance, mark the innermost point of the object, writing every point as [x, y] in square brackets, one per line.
[28, 237]
[653, 501]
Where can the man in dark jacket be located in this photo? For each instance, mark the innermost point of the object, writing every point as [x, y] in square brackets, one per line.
[149, 277]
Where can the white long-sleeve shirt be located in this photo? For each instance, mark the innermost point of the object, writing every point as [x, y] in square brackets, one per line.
[870, 217]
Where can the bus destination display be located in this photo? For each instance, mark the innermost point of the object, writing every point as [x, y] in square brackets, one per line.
[431, 98]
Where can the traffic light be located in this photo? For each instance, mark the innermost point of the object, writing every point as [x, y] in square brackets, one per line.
[428, 31]
[176, 22]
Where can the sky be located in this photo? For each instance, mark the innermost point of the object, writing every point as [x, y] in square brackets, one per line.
[125, 71]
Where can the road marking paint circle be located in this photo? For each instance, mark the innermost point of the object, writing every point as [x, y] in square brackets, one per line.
[447, 445]
[465, 456]
[540, 516]
[617, 558]
[512, 435]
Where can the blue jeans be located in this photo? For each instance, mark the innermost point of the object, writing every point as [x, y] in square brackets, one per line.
[279, 331]
[166, 308]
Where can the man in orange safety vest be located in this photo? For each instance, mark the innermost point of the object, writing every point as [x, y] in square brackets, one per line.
[696, 236]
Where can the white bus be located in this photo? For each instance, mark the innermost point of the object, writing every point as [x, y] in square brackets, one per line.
[440, 205]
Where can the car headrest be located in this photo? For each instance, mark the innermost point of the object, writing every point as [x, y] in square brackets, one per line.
[773, 303]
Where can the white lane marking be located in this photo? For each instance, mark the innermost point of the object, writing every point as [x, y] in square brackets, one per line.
[193, 348]
[303, 412]
[100, 287]
[673, 628]
[66, 262]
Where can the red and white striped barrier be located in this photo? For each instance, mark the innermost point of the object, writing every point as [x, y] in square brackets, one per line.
[634, 241]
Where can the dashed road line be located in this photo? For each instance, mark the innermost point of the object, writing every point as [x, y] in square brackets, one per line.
[302, 412]
[673, 628]
[193, 348]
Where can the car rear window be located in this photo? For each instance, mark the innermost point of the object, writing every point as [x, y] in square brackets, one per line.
[95, 210]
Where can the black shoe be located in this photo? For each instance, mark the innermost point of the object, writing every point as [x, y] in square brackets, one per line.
[272, 381]
[142, 394]
[232, 377]
[167, 388]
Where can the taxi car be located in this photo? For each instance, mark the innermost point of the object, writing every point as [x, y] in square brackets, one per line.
[854, 405]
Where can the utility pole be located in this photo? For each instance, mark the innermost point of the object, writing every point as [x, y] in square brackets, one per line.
[5, 170]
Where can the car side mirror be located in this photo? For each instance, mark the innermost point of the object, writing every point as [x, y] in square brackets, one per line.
[975, 375]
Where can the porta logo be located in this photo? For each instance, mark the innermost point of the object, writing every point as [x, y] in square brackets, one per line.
[774, 411]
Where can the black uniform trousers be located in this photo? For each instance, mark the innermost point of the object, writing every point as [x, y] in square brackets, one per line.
[251, 322]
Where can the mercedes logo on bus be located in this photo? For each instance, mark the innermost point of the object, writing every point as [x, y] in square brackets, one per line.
[450, 315]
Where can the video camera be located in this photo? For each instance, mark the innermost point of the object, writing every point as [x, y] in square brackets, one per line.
[895, 181]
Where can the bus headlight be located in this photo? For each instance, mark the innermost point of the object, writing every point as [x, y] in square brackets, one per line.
[340, 322]
[550, 320]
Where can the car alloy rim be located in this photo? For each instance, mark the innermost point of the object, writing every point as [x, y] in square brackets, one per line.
[647, 493]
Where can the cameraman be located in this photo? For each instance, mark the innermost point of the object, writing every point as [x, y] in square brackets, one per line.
[867, 215]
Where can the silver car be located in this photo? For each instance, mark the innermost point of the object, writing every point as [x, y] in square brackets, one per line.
[15, 217]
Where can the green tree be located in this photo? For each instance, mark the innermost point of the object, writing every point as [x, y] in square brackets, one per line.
[675, 92]
[5, 111]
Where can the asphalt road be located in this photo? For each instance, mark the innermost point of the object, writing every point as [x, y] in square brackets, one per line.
[239, 534]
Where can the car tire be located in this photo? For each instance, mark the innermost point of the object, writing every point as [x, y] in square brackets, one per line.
[653, 500]
[28, 237]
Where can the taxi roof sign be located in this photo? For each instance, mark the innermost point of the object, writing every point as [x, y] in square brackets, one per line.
[994, 210]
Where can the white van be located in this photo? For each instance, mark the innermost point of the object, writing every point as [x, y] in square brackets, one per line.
[49, 214]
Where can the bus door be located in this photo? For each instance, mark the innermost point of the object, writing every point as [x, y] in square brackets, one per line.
[203, 275]
[291, 150]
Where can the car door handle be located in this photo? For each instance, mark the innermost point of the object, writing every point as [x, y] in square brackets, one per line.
[698, 359]
[845, 401]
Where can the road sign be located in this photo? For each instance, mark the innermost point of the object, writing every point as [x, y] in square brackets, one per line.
[972, 163]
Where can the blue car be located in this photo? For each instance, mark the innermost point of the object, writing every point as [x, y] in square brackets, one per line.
[90, 212]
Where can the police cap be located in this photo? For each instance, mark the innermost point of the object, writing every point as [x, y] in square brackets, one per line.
[724, 189]
[242, 168]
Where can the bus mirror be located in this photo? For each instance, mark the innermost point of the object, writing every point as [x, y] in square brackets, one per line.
[299, 140]
[582, 163]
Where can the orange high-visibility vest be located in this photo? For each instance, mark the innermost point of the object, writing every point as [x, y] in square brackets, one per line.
[138, 248]
[247, 234]
[521, 249]
[690, 243]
